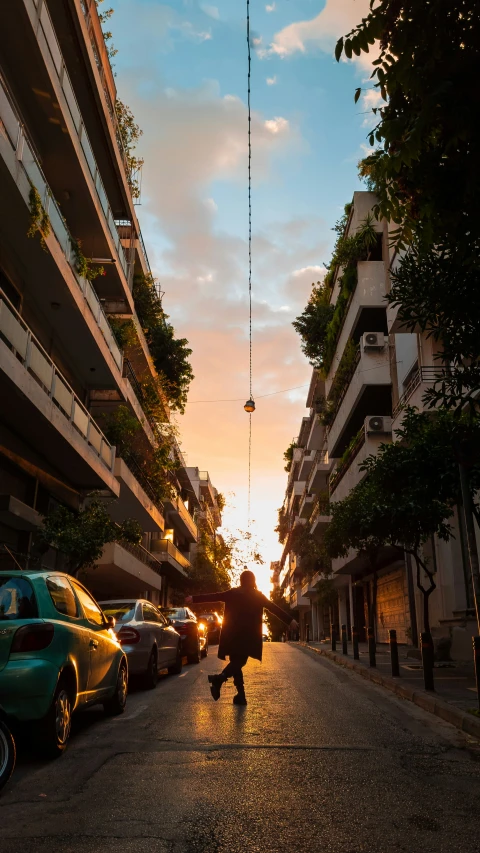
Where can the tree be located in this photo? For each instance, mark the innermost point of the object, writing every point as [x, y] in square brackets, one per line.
[288, 455]
[309, 549]
[82, 536]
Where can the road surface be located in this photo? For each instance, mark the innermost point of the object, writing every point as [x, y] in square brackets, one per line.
[318, 762]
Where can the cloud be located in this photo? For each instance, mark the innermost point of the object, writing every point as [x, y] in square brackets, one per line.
[271, 8]
[211, 11]
[277, 125]
[271, 81]
[371, 99]
[322, 32]
[314, 270]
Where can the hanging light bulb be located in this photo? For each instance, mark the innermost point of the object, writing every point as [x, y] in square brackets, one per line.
[249, 406]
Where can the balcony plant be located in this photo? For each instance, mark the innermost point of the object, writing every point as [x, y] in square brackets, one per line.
[282, 527]
[130, 133]
[288, 455]
[39, 219]
[120, 428]
[343, 375]
[83, 265]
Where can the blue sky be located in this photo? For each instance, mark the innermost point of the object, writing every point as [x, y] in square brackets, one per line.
[181, 67]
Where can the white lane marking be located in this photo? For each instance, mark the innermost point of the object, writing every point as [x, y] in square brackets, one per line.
[183, 674]
[131, 716]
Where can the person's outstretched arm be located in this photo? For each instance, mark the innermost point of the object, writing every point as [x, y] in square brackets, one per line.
[277, 611]
[206, 596]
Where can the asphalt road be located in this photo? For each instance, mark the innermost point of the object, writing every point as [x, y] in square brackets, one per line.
[318, 762]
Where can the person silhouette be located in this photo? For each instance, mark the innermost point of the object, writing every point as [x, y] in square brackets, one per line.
[241, 634]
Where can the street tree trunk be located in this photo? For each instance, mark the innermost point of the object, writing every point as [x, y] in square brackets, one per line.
[469, 513]
[426, 591]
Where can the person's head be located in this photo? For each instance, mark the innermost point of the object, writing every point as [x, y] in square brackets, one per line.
[248, 580]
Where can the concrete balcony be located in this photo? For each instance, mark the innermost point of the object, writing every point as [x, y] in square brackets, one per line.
[367, 304]
[206, 488]
[320, 519]
[178, 516]
[320, 472]
[422, 379]
[298, 601]
[306, 506]
[298, 488]
[308, 458]
[42, 85]
[369, 390]
[304, 431]
[137, 500]
[174, 563]
[316, 435]
[68, 301]
[124, 570]
[17, 514]
[39, 404]
[347, 474]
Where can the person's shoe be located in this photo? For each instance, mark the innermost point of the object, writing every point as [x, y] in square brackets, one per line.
[240, 699]
[216, 682]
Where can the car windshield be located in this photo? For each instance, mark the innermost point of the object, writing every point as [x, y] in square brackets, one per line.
[17, 599]
[122, 611]
[174, 612]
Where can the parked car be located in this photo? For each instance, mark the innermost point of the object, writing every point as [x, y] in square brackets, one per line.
[214, 625]
[149, 642]
[58, 654]
[194, 633]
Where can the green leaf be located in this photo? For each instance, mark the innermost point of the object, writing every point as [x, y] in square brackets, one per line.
[339, 49]
[358, 92]
[348, 48]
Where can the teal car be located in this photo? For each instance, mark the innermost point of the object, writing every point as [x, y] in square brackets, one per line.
[58, 654]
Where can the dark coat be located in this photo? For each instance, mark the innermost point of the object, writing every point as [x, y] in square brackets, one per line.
[242, 621]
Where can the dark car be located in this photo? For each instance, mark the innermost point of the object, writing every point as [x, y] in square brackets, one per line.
[193, 632]
[213, 623]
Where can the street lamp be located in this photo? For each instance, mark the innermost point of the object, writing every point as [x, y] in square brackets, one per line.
[249, 406]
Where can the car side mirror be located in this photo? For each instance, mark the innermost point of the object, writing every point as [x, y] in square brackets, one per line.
[110, 620]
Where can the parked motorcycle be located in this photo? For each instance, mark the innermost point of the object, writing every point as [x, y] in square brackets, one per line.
[7, 753]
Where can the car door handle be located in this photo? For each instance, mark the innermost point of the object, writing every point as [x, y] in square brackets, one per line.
[94, 644]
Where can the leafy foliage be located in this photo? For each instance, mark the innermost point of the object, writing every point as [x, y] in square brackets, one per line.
[39, 219]
[82, 264]
[82, 536]
[124, 332]
[343, 375]
[288, 455]
[120, 428]
[282, 527]
[130, 133]
[311, 552]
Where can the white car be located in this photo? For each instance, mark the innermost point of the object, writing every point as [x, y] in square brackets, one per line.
[149, 642]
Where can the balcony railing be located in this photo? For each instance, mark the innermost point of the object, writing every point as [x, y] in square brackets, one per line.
[345, 463]
[429, 374]
[345, 386]
[25, 156]
[45, 23]
[29, 351]
[321, 458]
[166, 547]
[143, 555]
[139, 474]
[321, 508]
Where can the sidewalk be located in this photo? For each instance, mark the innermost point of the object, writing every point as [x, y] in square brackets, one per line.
[455, 691]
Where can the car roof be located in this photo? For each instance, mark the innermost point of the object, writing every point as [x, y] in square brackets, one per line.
[34, 573]
[126, 601]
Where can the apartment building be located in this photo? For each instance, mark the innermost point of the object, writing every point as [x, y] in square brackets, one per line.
[351, 412]
[67, 213]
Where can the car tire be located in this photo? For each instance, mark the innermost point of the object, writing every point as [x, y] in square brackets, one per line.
[177, 667]
[7, 754]
[116, 705]
[150, 679]
[205, 651]
[56, 726]
[195, 657]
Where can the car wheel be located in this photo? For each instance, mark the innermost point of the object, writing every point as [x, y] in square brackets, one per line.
[116, 705]
[176, 668]
[195, 657]
[205, 651]
[7, 754]
[150, 678]
[55, 728]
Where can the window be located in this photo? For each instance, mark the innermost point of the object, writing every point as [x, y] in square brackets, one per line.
[122, 611]
[17, 599]
[62, 596]
[150, 614]
[90, 607]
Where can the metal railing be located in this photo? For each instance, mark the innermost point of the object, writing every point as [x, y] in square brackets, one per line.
[45, 24]
[136, 469]
[321, 458]
[346, 384]
[28, 350]
[166, 547]
[428, 373]
[27, 159]
[143, 555]
[321, 508]
[342, 468]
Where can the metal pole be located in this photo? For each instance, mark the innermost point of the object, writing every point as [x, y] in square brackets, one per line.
[426, 646]
[344, 640]
[356, 653]
[476, 661]
[471, 540]
[333, 637]
[394, 653]
[371, 646]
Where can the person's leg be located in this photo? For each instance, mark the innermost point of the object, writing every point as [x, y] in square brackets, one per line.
[233, 670]
[239, 663]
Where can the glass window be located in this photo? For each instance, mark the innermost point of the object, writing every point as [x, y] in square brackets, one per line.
[62, 596]
[90, 607]
[17, 599]
[174, 612]
[122, 611]
[150, 613]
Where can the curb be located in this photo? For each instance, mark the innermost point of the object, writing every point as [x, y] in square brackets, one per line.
[427, 701]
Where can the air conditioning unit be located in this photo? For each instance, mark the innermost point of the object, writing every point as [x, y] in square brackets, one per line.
[373, 340]
[378, 424]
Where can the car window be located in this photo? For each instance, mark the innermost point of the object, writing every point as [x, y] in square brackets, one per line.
[62, 596]
[174, 612]
[191, 615]
[122, 611]
[17, 599]
[90, 607]
[150, 614]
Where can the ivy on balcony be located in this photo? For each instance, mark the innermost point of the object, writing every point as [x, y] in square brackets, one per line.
[343, 375]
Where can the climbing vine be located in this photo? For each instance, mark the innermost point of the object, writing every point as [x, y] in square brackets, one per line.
[39, 219]
[83, 264]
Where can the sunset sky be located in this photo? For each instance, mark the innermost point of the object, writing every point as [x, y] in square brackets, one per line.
[181, 67]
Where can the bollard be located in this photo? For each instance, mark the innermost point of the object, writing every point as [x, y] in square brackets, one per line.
[356, 653]
[476, 663]
[333, 637]
[344, 640]
[394, 653]
[371, 647]
[426, 646]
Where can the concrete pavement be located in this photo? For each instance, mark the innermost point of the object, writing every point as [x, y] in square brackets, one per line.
[319, 760]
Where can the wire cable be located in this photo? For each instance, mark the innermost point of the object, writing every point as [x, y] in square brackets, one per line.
[249, 75]
[259, 396]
